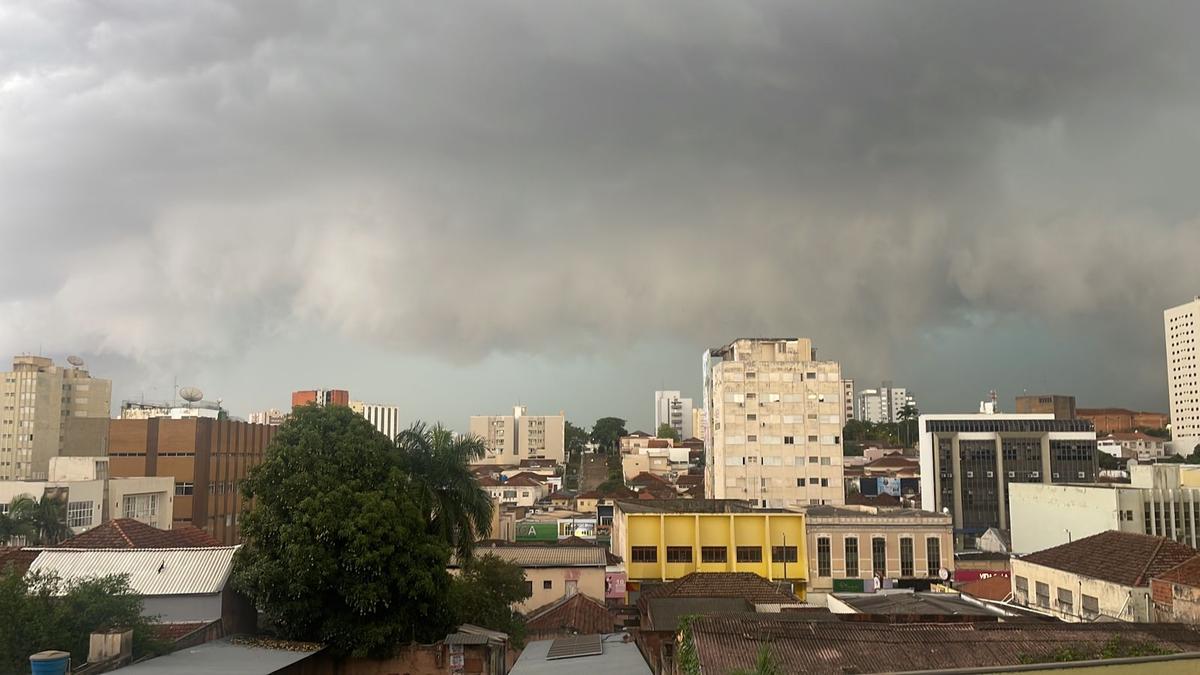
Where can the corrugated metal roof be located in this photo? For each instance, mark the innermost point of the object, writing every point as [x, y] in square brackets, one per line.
[548, 556]
[167, 571]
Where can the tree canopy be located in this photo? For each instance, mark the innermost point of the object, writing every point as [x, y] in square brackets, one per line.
[42, 521]
[607, 431]
[336, 546]
[667, 431]
[575, 437]
[484, 593]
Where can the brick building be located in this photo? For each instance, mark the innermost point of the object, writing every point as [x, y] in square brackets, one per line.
[1120, 420]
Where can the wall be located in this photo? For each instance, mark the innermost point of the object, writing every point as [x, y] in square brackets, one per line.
[163, 486]
[1175, 602]
[1041, 515]
[183, 608]
[892, 532]
[1122, 603]
[590, 582]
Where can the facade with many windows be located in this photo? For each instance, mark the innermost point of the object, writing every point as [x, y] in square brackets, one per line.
[968, 462]
[1180, 325]
[510, 439]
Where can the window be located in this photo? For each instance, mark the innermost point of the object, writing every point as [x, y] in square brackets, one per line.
[184, 489]
[1043, 595]
[906, 557]
[824, 482]
[643, 554]
[1091, 606]
[547, 584]
[933, 553]
[851, 557]
[826, 461]
[750, 417]
[749, 554]
[79, 514]
[1022, 586]
[679, 554]
[528, 587]
[813, 459]
[799, 482]
[140, 506]
[789, 440]
[824, 557]
[714, 554]
[790, 554]
[879, 557]
[1066, 601]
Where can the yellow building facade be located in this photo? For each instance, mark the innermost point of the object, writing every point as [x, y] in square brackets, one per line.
[663, 540]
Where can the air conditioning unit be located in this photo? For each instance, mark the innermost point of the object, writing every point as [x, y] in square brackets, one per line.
[1035, 474]
[1012, 474]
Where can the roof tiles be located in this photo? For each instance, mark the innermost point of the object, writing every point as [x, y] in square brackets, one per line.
[1187, 573]
[130, 533]
[747, 585]
[1121, 558]
[576, 614]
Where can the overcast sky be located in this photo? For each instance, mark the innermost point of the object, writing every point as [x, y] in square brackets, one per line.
[454, 207]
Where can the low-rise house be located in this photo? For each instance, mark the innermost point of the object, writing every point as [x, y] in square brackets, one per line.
[513, 492]
[562, 500]
[1133, 445]
[1104, 576]
[574, 615]
[613, 654]
[552, 571]
[246, 656]
[924, 606]
[993, 589]
[995, 540]
[1176, 593]
[128, 533]
[657, 462]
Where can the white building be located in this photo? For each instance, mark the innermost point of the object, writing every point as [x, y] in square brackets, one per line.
[271, 416]
[509, 439]
[1183, 375]
[884, 405]
[775, 432]
[671, 408]
[848, 400]
[385, 418]
[140, 410]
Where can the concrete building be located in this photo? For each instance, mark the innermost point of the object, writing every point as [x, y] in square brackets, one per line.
[385, 418]
[1121, 420]
[1133, 445]
[1176, 593]
[699, 424]
[968, 462]
[1183, 377]
[92, 497]
[671, 408]
[1161, 500]
[852, 546]
[140, 410]
[848, 400]
[884, 405]
[512, 438]
[520, 491]
[1102, 577]
[662, 540]
[775, 414]
[553, 572]
[272, 416]
[1062, 407]
[321, 397]
[47, 411]
[208, 459]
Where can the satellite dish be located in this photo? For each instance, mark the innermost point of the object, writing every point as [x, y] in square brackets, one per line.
[191, 394]
[75, 360]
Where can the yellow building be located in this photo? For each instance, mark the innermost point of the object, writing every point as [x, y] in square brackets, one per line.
[662, 540]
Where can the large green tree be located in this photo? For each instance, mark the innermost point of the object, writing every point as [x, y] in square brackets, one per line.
[607, 431]
[485, 592]
[11, 526]
[575, 437]
[438, 461]
[45, 519]
[336, 547]
[667, 431]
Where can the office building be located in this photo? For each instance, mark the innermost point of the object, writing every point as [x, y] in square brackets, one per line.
[699, 424]
[884, 405]
[208, 460]
[672, 409]
[48, 411]
[272, 416]
[1062, 407]
[1183, 378]
[969, 460]
[848, 400]
[385, 418]
[509, 439]
[321, 397]
[775, 416]
[141, 410]
[1121, 420]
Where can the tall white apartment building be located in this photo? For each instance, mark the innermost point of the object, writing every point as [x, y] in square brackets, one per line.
[271, 416]
[883, 405]
[848, 399]
[671, 408]
[775, 431]
[512, 438]
[385, 418]
[1183, 378]
[47, 411]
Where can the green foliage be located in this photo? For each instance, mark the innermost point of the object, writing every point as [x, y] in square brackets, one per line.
[438, 462]
[43, 612]
[857, 433]
[688, 660]
[484, 593]
[1157, 433]
[1193, 458]
[610, 485]
[1115, 648]
[667, 431]
[765, 665]
[607, 432]
[43, 521]
[13, 526]
[336, 546]
[575, 438]
[1108, 462]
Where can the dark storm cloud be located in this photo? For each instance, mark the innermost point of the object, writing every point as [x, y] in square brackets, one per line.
[562, 177]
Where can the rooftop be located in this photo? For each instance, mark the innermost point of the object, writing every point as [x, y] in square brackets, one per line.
[130, 533]
[1117, 557]
[546, 556]
[995, 588]
[744, 585]
[229, 656]
[863, 511]
[575, 614]
[726, 644]
[1186, 573]
[617, 657]
[694, 506]
[160, 571]
[915, 604]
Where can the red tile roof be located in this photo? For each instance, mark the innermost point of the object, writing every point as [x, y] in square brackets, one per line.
[129, 533]
[1119, 557]
[521, 481]
[647, 478]
[1187, 573]
[1135, 436]
[578, 614]
[893, 461]
[745, 585]
[531, 476]
[488, 481]
[18, 559]
[992, 588]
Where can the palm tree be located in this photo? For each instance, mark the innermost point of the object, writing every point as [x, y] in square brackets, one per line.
[11, 527]
[438, 461]
[45, 518]
[765, 665]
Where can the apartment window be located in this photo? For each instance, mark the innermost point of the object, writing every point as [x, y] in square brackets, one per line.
[1066, 601]
[1091, 606]
[79, 514]
[714, 554]
[789, 440]
[824, 557]
[812, 439]
[528, 588]
[140, 506]
[679, 554]
[799, 482]
[1022, 586]
[826, 461]
[879, 557]
[907, 564]
[752, 438]
[547, 584]
[813, 459]
[749, 554]
[824, 482]
[643, 554]
[933, 553]
[751, 417]
[184, 489]
[1043, 595]
[789, 554]
[851, 546]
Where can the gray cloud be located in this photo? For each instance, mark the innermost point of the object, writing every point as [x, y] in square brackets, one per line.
[577, 178]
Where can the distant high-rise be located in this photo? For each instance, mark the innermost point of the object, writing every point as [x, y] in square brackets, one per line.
[671, 408]
[385, 418]
[49, 411]
[512, 438]
[848, 400]
[321, 397]
[272, 416]
[884, 405]
[1062, 407]
[1183, 378]
[775, 423]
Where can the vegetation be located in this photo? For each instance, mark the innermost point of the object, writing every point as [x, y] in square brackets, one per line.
[857, 433]
[575, 438]
[667, 431]
[1110, 463]
[1193, 458]
[43, 612]
[43, 522]
[437, 462]
[765, 665]
[607, 432]
[1114, 648]
[339, 547]
[484, 593]
[688, 659]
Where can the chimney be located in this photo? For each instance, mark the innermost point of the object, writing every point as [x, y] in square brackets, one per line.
[112, 645]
